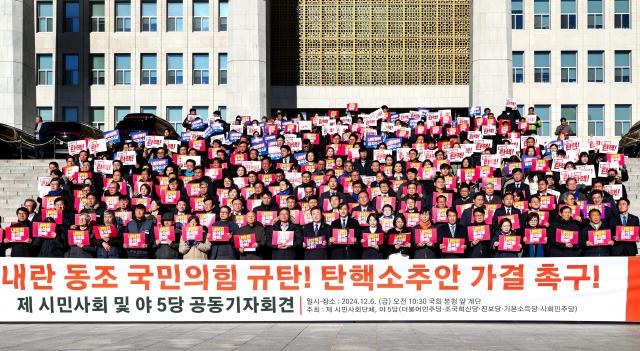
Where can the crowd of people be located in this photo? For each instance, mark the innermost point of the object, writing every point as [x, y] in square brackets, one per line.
[420, 185]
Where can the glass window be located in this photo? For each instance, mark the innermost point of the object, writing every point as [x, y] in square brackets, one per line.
[148, 109]
[623, 119]
[175, 117]
[596, 120]
[222, 68]
[200, 68]
[544, 112]
[201, 16]
[541, 14]
[517, 57]
[595, 66]
[542, 68]
[45, 69]
[45, 16]
[120, 112]
[123, 69]
[71, 76]
[174, 16]
[622, 14]
[97, 69]
[594, 14]
[623, 66]
[123, 16]
[568, 14]
[46, 113]
[223, 112]
[71, 17]
[149, 16]
[174, 68]
[520, 109]
[149, 69]
[202, 111]
[570, 112]
[569, 66]
[517, 17]
[70, 114]
[96, 117]
[97, 17]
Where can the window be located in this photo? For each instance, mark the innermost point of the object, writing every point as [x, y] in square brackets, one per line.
[517, 18]
[97, 69]
[544, 112]
[149, 17]
[123, 69]
[201, 16]
[123, 16]
[621, 14]
[71, 76]
[520, 109]
[570, 112]
[45, 69]
[96, 117]
[568, 14]
[120, 112]
[149, 69]
[517, 58]
[596, 120]
[595, 66]
[223, 13]
[174, 16]
[623, 66]
[70, 114]
[148, 109]
[542, 68]
[623, 119]
[594, 14]
[222, 68]
[46, 113]
[45, 16]
[569, 66]
[97, 17]
[541, 14]
[223, 112]
[174, 68]
[200, 68]
[202, 111]
[175, 117]
[71, 17]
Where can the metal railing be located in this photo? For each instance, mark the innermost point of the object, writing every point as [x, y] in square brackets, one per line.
[22, 142]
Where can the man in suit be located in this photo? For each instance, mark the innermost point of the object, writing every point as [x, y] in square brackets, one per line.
[490, 196]
[452, 229]
[333, 190]
[316, 228]
[518, 185]
[543, 190]
[507, 209]
[341, 251]
[266, 167]
[624, 218]
[364, 205]
[467, 214]
[38, 139]
[287, 157]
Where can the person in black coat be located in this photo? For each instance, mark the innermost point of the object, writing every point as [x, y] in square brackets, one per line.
[534, 250]
[478, 248]
[588, 247]
[505, 228]
[375, 252]
[111, 247]
[314, 229]
[424, 250]
[50, 247]
[506, 210]
[284, 224]
[169, 250]
[340, 251]
[624, 218]
[15, 249]
[467, 215]
[452, 229]
[258, 230]
[518, 184]
[565, 222]
[83, 251]
[399, 227]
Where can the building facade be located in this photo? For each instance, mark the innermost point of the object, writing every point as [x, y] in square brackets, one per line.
[96, 60]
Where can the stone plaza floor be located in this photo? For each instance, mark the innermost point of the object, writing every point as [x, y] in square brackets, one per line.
[321, 336]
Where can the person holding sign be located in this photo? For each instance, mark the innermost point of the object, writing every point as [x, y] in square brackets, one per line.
[505, 241]
[595, 237]
[453, 230]
[372, 249]
[399, 228]
[111, 247]
[564, 223]
[253, 227]
[624, 219]
[533, 222]
[54, 246]
[140, 224]
[345, 251]
[169, 249]
[316, 236]
[424, 250]
[479, 248]
[192, 249]
[224, 250]
[22, 247]
[280, 250]
[86, 249]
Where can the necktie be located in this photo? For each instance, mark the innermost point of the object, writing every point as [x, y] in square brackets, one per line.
[489, 198]
[453, 230]
[315, 229]
[344, 224]
[624, 220]
[517, 186]
[508, 211]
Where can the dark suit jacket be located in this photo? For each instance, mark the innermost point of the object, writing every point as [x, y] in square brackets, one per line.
[308, 232]
[346, 252]
[511, 188]
[444, 232]
[503, 212]
[624, 248]
[287, 254]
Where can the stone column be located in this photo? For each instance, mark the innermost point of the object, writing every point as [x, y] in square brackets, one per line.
[491, 81]
[17, 64]
[247, 59]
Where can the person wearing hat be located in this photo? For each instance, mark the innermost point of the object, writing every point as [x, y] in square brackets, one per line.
[169, 250]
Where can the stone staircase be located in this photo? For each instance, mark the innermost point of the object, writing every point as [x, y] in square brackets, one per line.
[19, 181]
